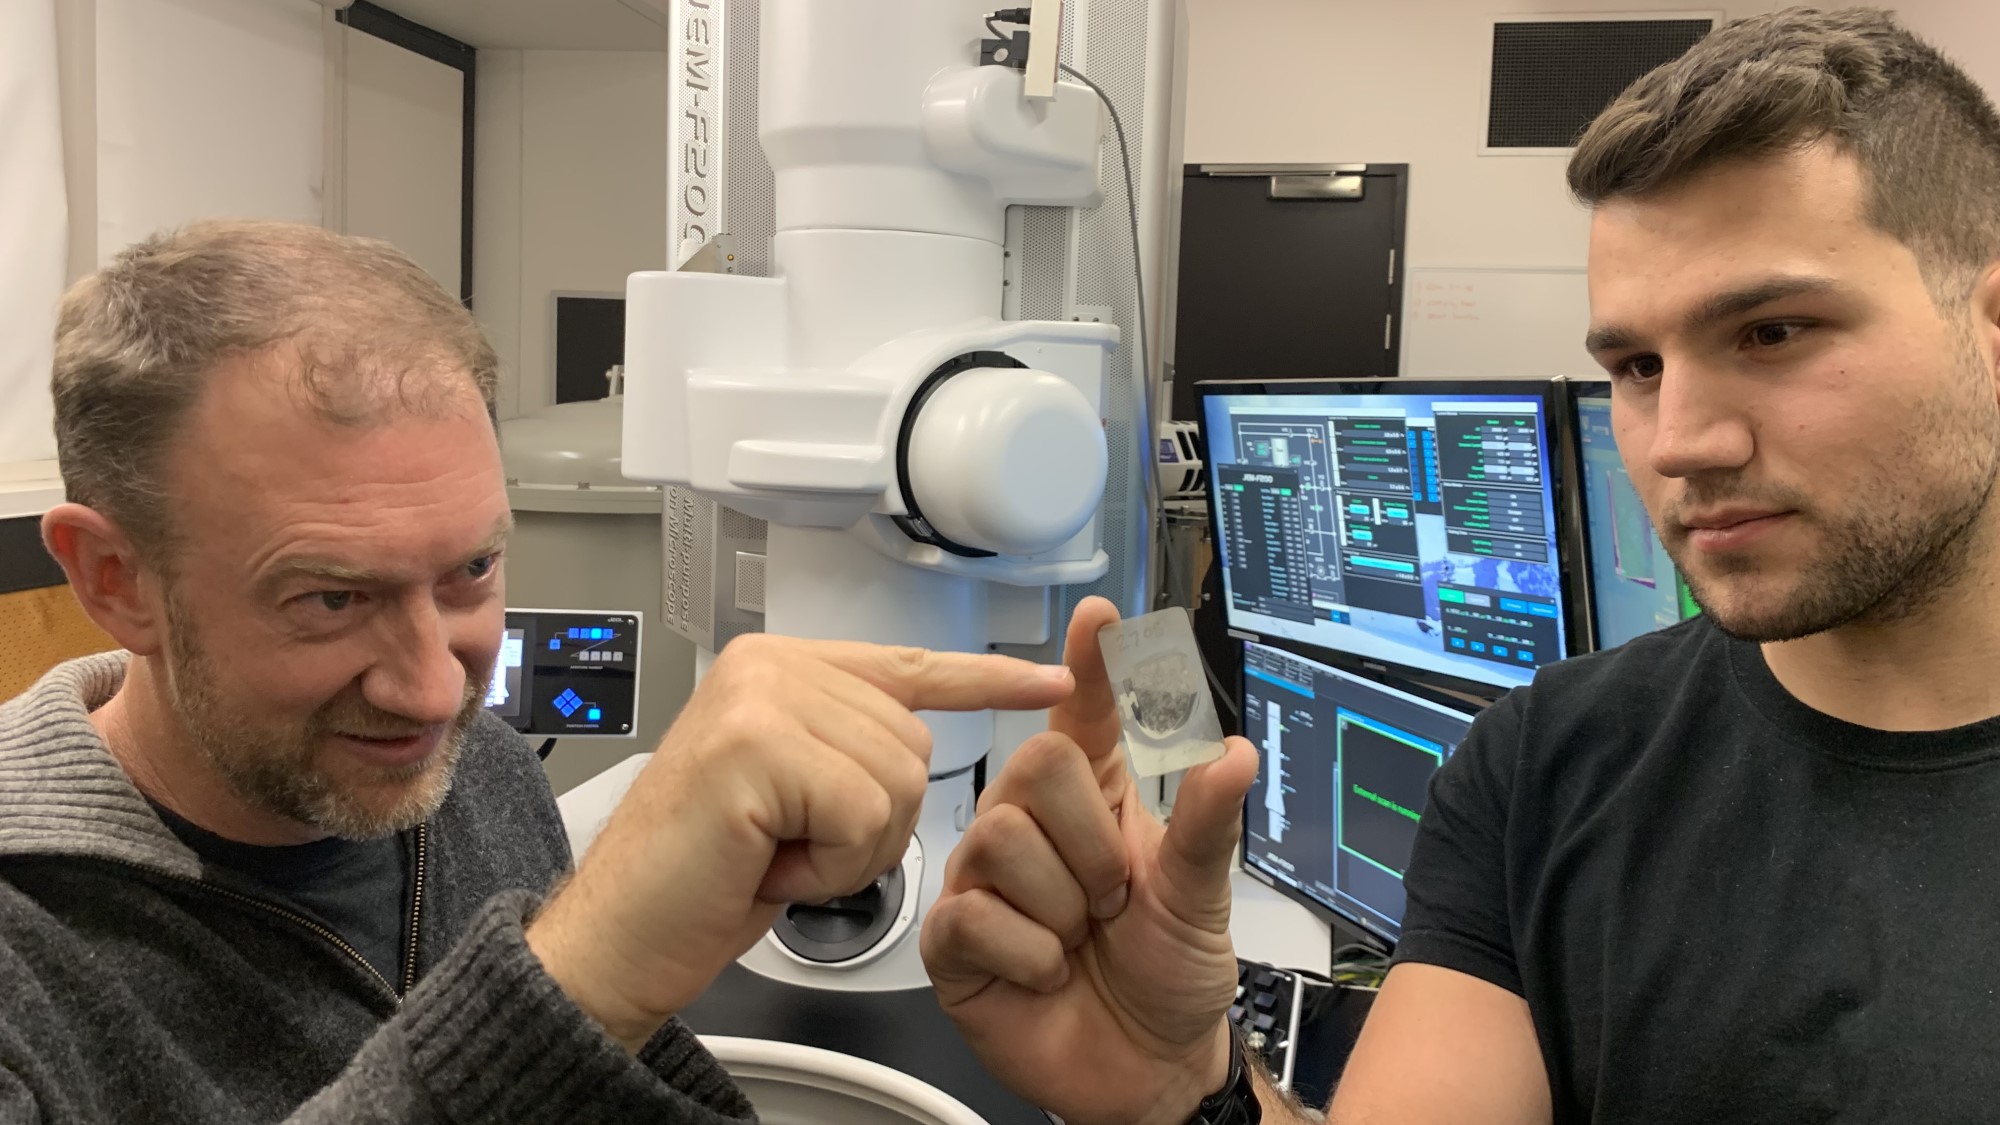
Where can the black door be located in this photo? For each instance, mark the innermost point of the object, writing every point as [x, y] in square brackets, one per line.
[1288, 272]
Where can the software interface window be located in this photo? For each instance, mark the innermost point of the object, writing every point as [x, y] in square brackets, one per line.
[1634, 586]
[567, 674]
[1403, 528]
[1344, 765]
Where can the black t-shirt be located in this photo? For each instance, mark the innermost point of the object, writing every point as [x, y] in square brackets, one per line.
[1719, 903]
[358, 888]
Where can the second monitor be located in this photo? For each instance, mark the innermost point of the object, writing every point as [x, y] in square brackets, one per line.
[1634, 586]
[1410, 522]
[1343, 774]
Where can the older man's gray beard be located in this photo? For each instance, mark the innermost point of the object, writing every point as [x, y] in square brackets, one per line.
[278, 771]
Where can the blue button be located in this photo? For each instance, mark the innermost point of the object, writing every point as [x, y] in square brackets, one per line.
[1500, 650]
[1526, 656]
[593, 714]
[1540, 610]
[1513, 605]
[555, 644]
[1458, 642]
[1478, 646]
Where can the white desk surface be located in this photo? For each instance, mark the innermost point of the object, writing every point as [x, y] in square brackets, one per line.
[1264, 925]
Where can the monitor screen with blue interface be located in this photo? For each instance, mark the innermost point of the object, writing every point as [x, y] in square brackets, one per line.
[1405, 522]
[1634, 587]
[568, 673]
[1343, 767]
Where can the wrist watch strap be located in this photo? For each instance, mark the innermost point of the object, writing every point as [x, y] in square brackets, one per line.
[1236, 1102]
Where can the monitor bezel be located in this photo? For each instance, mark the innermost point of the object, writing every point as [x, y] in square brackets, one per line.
[1574, 392]
[638, 670]
[1562, 456]
[1325, 911]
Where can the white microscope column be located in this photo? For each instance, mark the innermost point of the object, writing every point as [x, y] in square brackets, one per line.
[874, 241]
[894, 156]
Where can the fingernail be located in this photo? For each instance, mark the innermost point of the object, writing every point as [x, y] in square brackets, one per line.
[1113, 904]
[1058, 673]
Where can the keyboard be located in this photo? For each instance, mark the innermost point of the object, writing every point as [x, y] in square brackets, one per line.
[1266, 1014]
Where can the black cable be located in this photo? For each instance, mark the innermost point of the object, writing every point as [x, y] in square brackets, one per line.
[1156, 508]
[1148, 465]
[542, 751]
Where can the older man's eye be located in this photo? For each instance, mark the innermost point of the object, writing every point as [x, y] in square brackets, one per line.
[336, 600]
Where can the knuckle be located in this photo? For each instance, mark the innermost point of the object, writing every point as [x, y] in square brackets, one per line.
[913, 780]
[749, 726]
[918, 734]
[986, 844]
[951, 923]
[878, 811]
[1045, 758]
[736, 654]
[906, 662]
[1006, 828]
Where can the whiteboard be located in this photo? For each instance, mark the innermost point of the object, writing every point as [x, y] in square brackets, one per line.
[1483, 323]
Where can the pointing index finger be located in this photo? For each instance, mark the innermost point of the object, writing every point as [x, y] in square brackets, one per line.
[925, 680]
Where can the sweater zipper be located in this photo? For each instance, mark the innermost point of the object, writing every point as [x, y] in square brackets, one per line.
[308, 924]
[416, 917]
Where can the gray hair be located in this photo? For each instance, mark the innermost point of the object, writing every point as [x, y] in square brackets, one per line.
[136, 340]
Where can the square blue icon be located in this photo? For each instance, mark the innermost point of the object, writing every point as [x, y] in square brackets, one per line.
[568, 703]
[1478, 646]
[1526, 656]
[594, 714]
[555, 644]
[1500, 650]
[1458, 642]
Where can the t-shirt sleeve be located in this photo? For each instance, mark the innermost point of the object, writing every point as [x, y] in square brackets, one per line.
[1456, 916]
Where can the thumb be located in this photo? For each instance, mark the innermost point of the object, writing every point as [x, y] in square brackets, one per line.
[1200, 843]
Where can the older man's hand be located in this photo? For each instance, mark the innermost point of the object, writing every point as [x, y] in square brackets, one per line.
[795, 774]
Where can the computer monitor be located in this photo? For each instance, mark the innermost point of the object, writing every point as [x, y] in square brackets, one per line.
[1634, 587]
[1408, 522]
[568, 673]
[1343, 767]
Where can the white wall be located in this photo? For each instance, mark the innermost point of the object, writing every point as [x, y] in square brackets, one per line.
[569, 193]
[402, 156]
[1350, 80]
[1966, 30]
[34, 237]
[1347, 80]
[206, 108]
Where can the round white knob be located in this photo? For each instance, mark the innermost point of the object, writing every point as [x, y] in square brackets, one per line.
[1007, 460]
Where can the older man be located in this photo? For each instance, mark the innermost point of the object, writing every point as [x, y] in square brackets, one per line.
[273, 861]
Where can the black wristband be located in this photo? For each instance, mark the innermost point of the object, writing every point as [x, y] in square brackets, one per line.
[1236, 1102]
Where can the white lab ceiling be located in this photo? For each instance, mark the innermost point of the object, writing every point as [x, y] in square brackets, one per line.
[546, 25]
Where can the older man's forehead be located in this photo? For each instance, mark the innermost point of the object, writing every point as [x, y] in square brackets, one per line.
[253, 460]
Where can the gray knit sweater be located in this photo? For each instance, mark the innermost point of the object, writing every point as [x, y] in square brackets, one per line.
[136, 986]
